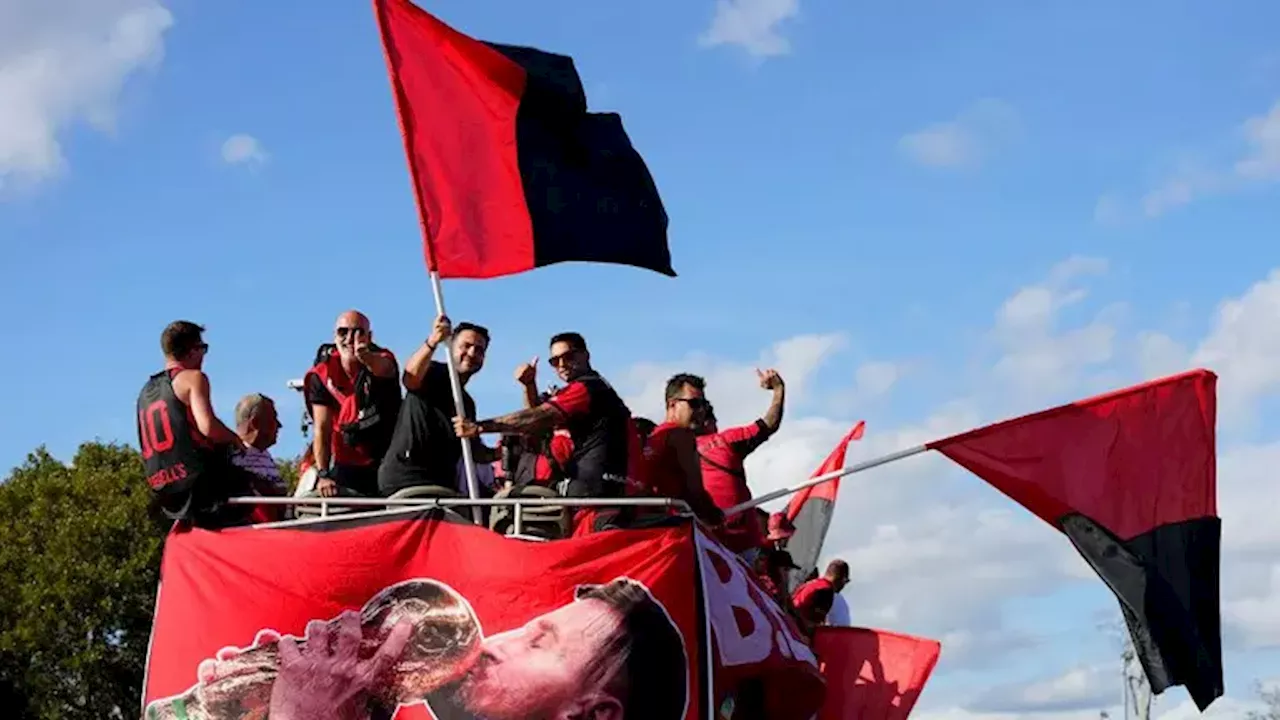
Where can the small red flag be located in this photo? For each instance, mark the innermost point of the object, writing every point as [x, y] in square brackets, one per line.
[872, 674]
[810, 509]
[1130, 478]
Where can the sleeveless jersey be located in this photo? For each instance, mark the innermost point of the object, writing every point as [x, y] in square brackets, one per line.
[174, 453]
[601, 441]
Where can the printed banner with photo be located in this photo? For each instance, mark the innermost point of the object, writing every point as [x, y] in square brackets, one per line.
[416, 617]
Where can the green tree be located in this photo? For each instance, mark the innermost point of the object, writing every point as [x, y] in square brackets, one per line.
[79, 563]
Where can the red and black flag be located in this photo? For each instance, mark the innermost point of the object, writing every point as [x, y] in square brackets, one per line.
[510, 171]
[810, 510]
[1130, 478]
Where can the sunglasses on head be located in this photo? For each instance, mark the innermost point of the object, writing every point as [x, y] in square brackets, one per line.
[345, 331]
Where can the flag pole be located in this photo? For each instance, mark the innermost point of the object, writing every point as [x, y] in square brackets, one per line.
[455, 382]
[857, 467]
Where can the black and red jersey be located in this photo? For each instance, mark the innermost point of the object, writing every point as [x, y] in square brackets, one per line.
[174, 453]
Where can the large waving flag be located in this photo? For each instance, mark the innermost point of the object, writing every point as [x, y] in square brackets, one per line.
[510, 171]
[810, 509]
[872, 674]
[1129, 477]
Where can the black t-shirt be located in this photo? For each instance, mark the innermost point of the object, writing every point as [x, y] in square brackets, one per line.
[424, 449]
[383, 394]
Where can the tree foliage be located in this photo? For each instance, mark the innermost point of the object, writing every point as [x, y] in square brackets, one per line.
[79, 563]
[1271, 701]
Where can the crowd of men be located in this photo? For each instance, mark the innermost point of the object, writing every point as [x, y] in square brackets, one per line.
[371, 439]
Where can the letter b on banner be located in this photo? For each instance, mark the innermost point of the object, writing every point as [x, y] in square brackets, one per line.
[748, 625]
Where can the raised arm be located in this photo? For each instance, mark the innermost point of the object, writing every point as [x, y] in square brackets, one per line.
[771, 380]
[415, 370]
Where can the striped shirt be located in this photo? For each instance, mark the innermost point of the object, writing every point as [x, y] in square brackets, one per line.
[262, 465]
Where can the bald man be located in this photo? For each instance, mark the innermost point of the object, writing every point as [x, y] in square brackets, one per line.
[353, 396]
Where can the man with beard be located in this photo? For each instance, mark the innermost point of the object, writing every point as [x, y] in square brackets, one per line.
[598, 421]
[612, 654]
[424, 449]
[352, 395]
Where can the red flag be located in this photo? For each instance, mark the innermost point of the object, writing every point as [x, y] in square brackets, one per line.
[872, 674]
[810, 509]
[1130, 478]
[510, 172]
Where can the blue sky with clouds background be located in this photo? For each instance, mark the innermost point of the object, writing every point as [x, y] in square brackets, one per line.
[928, 215]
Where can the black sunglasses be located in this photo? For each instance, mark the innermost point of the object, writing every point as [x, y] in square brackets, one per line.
[694, 403]
[345, 331]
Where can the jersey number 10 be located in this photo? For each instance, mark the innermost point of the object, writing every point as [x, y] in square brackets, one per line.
[154, 430]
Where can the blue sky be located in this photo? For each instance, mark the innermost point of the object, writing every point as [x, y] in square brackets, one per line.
[928, 214]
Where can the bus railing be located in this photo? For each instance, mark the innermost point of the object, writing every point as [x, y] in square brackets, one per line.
[395, 506]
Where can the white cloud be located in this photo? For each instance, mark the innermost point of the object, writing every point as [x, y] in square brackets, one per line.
[965, 141]
[752, 25]
[1039, 362]
[875, 379]
[63, 62]
[242, 149]
[1262, 162]
[1193, 179]
[1079, 688]
[1244, 346]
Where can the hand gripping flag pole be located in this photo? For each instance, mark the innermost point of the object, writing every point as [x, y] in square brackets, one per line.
[455, 383]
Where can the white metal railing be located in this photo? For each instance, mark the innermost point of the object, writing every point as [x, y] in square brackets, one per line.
[393, 506]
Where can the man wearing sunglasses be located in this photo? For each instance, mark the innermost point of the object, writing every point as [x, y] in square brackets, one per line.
[598, 421]
[353, 395]
[671, 451]
[185, 447]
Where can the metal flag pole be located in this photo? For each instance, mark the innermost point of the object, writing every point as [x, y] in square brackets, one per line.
[455, 382]
[857, 467]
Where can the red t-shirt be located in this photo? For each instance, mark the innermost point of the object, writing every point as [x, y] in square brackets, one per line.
[721, 455]
[813, 599]
[662, 472]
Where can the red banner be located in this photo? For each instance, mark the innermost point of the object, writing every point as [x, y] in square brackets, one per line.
[873, 674]
[754, 640]
[411, 617]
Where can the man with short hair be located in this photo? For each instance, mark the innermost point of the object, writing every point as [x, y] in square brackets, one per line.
[722, 454]
[672, 468]
[424, 448]
[612, 654]
[598, 421]
[353, 396]
[813, 599]
[258, 426]
[184, 445]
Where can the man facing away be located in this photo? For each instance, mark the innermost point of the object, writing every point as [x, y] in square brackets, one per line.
[813, 600]
[672, 468]
[353, 396]
[185, 447]
[598, 422]
[424, 448]
[722, 454]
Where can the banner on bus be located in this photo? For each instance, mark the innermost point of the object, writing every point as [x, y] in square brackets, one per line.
[417, 617]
